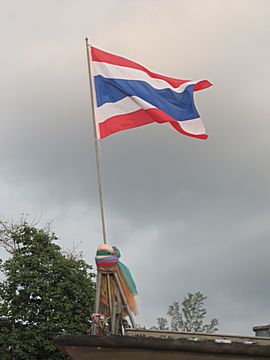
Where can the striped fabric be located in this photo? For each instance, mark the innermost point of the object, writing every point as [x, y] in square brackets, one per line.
[108, 257]
[128, 95]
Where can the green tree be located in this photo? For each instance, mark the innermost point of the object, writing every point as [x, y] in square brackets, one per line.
[44, 294]
[162, 323]
[191, 317]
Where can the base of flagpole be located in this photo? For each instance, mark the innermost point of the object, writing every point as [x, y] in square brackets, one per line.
[111, 306]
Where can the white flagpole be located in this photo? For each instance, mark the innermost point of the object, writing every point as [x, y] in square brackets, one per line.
[96, 143]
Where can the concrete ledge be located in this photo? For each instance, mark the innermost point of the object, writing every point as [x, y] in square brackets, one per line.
[167, 334]
[84, 347]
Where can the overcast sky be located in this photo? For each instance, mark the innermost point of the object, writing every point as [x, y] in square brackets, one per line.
[187, 215]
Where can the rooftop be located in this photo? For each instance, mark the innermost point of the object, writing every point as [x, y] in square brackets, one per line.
[140, 344]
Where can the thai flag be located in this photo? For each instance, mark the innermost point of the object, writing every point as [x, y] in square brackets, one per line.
[128, 95]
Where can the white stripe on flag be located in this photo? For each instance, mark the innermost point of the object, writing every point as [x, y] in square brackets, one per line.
[194, 126]
[121, 107]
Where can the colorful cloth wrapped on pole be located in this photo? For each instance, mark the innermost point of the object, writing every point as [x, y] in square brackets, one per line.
[107, 259]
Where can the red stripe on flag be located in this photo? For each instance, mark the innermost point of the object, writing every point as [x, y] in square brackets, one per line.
[103, 56]
[140, 118]
[202, 84]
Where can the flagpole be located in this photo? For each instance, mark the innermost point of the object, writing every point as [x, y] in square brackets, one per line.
[96, 144]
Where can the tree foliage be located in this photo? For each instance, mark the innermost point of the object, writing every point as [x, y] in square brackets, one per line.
[162, 323]
[191, 317]
[44, 294]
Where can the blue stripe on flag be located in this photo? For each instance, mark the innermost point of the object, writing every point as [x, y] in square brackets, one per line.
[180, 106]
